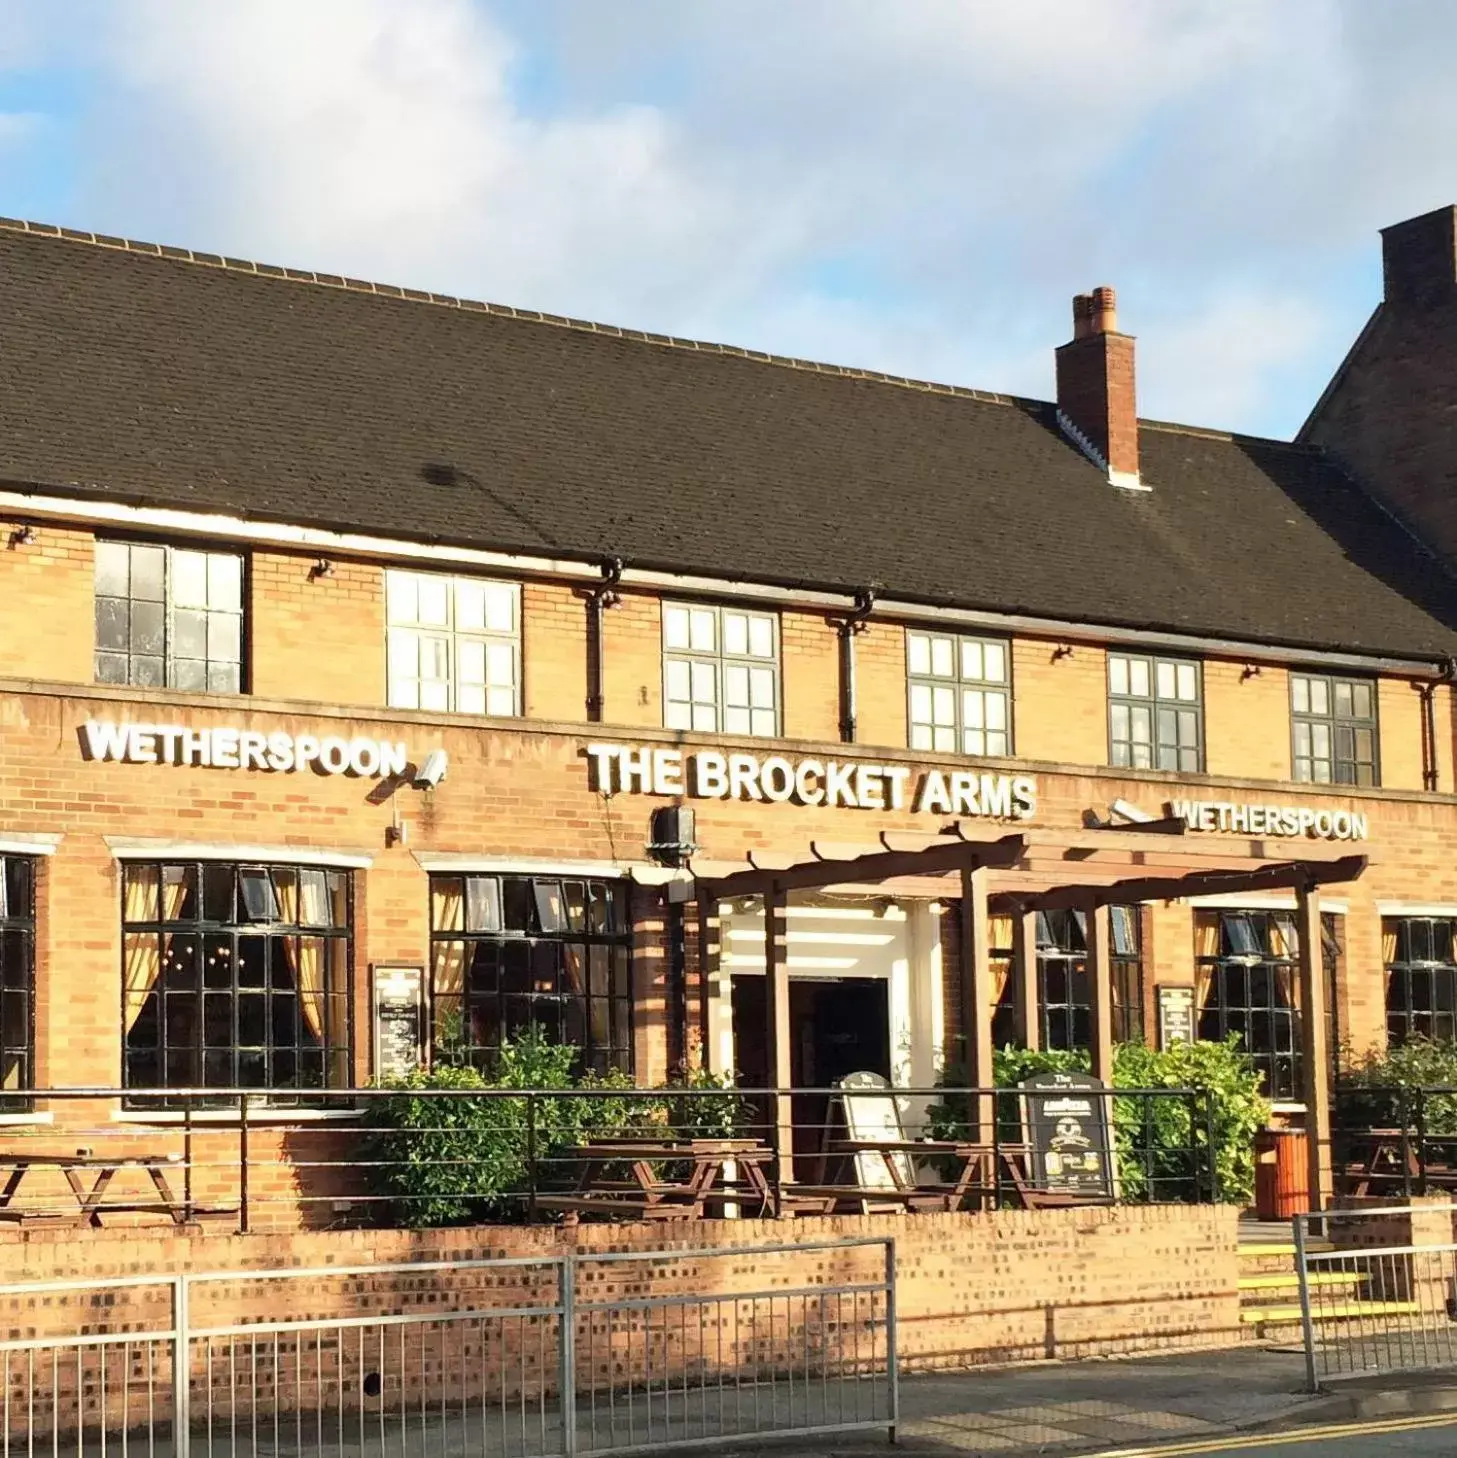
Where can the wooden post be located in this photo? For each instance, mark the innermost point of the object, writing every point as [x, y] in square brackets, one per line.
[1100, 992]
[1314, 1045]
[976, 992]
[777, 1031]
[707, 980]
[1024, 971]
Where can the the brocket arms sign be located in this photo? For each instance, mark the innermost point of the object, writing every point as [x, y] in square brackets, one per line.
[851, 784]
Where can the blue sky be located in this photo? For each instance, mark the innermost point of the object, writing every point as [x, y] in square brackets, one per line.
[916, 186]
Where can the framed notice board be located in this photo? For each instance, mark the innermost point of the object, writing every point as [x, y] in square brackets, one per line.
[1176, 1015]
[1065, 1118]
[398, 1019]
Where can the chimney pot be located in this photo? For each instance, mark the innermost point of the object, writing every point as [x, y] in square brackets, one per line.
[1105, 310]
[1096, 400]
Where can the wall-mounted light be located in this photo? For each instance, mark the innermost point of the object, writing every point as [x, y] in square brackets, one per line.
[1063, 650]
[1249, 671]
[22, 536]
[322, 568]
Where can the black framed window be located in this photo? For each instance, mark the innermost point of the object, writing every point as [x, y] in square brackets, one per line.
[169, 617]
[1333, 723]
[17, 982]
[960, 693]
[236, 976]
[1155, 712]
[1248, 965]
[1420, 955]
[512, 952]
[1063, 991]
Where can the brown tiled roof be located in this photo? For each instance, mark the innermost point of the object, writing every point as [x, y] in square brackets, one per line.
[185, 380]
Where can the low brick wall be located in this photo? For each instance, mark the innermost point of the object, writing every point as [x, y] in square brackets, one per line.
[972, 1288]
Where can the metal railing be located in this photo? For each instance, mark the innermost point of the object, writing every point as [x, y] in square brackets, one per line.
[499, 1358]
[256, 1160]
[1378, 1290]
[1394, 1142]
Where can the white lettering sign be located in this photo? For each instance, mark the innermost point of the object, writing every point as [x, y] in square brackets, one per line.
[249, 749]
[1281, 820]
[848, 784]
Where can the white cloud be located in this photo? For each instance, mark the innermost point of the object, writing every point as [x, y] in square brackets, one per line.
[914, 185]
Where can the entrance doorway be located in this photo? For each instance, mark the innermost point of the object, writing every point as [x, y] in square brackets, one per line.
[837, 1026]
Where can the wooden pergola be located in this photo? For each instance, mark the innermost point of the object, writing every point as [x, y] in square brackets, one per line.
[1027, 871]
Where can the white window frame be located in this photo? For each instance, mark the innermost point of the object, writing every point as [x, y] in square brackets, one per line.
[721, 670]
[945, 693]
[436, 629]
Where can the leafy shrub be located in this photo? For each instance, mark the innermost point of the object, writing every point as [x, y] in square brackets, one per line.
[1160, 1143]
[1379, 1091]
[453, 1160]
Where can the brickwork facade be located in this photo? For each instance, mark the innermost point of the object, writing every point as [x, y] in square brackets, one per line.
[520, 792]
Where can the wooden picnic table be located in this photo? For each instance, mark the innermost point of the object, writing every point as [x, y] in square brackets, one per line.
[91, 1197]
[720, 1172]
[1390, 1161]
[976, 1174]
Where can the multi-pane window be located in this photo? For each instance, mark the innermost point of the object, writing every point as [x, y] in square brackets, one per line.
[1063, 992]
[169, 617]
[513, 952]
[720, 670]
[960, 693]
[1154, 712]
[1420, 955]
[1247, 964]
[235, 976]
[1064, 996]
[17, 980]
[454, 644]
[1334, 725]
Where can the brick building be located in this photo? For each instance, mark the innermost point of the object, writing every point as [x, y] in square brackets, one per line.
[351, 637]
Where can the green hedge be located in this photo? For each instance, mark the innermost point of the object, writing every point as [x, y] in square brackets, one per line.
[1162, 1151]
[1370, 1090]
[461, 1160]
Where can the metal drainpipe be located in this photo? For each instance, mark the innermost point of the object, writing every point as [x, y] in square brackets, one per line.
[599, 599]
[1428, 692]
[849, 628]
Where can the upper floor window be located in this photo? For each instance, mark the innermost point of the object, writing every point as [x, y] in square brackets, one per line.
[17, 980]
[454, 644]
[1334, 726]
[169, 617]
[720, 670]
[960, 693]
[1155, 712]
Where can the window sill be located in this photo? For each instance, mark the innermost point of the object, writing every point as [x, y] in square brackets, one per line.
[14, 1121]
[257, 1118]
[1279, 1108]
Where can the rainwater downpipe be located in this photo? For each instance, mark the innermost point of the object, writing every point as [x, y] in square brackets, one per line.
[1428, 690]
[849, 628]
[599, 599]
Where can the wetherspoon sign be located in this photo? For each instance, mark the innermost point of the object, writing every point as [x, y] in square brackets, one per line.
[852, 784]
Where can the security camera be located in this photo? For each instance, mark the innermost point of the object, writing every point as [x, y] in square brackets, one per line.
[1130, 813]
[430, 774]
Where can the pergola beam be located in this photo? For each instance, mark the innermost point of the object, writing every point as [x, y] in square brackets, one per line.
[952, 855]
[1279, 876]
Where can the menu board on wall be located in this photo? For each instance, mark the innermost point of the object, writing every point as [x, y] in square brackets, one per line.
[1176, 1015]
[1066, 1119]
[399, 1020]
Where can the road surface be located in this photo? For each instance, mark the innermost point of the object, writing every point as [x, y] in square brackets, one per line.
[1433, 1436]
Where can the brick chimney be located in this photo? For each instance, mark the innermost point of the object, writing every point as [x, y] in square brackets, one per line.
[1390, 414]
[1096, 402]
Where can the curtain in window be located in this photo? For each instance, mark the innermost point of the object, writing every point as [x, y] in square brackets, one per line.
[447, 914]
[1284, 938]
[1206, 934]
[142, 951]
[1452, 947]
[305, 955]
[1000, 931]
[1001, 970]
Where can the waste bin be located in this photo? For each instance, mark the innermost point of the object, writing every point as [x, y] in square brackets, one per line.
[1282, 1175]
